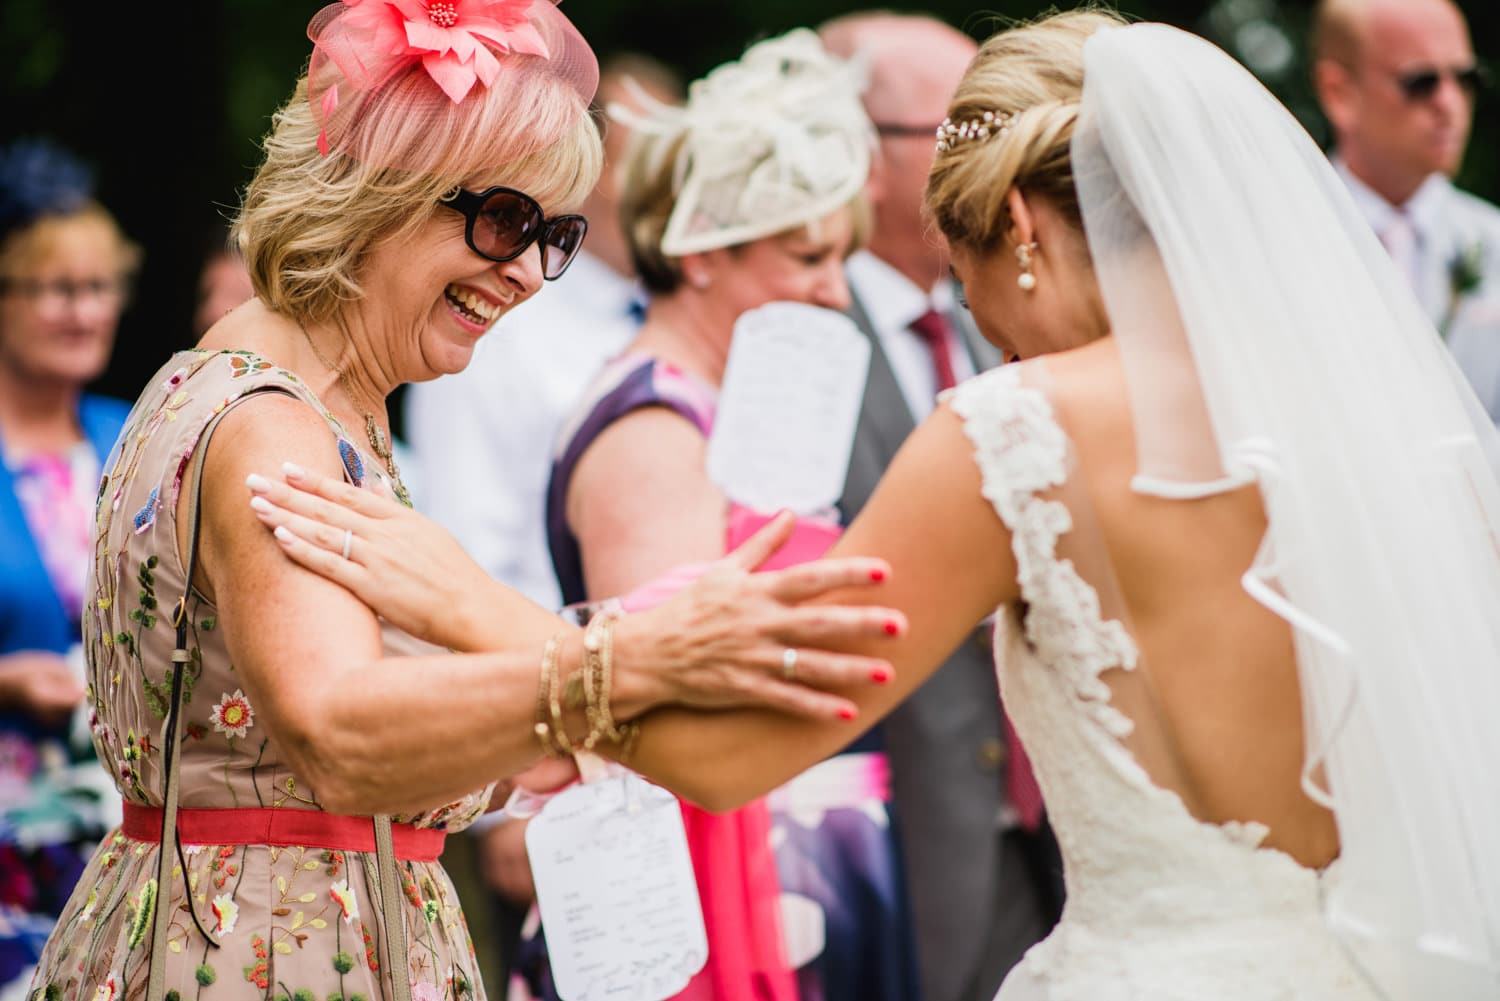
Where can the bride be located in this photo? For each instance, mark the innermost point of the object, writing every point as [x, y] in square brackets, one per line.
[1235, 507]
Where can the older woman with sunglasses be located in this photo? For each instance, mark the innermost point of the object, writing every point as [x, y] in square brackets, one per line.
[289, 760]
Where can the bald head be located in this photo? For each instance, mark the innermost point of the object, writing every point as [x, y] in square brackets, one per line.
[915, 63]
[1343, 30]
[1394, 78]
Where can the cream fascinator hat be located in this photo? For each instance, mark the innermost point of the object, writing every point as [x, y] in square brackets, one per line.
[775, 140]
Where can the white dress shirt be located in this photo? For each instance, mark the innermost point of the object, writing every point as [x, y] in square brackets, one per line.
[1447, 225]
[893, 303]
[483, 439]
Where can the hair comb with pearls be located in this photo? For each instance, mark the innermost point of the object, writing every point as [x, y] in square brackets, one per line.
[990, 124]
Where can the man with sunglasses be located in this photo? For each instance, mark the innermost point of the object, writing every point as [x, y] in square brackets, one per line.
[1398, 81]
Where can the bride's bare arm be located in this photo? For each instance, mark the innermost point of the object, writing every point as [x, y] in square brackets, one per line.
[952, 566]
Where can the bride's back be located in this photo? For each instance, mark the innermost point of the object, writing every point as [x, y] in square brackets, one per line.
[1215, 699]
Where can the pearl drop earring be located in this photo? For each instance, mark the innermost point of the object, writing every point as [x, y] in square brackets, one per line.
[1026, 279]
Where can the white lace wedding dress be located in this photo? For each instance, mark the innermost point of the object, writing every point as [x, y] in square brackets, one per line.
[1160, 906]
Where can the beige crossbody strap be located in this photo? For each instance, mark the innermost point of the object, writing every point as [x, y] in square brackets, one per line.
[171, 849]
[394, 940]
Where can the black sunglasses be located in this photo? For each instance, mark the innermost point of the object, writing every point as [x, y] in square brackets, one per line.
[1420, 85]
[500, 223]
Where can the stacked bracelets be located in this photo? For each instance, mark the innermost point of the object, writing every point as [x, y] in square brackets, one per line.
[589, 690]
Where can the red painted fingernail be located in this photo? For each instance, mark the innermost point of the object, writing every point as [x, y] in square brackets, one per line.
[892, 627]
[877, 575]
[847, 714]
[880, 675]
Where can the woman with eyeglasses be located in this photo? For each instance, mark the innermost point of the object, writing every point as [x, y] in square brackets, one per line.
[289, 761]
[64, 268]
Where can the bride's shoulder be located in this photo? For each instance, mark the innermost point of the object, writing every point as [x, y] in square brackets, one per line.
[1030, 384]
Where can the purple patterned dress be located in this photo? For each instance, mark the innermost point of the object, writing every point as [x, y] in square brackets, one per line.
[844, 908]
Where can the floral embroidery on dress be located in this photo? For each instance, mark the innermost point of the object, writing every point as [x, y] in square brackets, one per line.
[146, 516]
[353, 464]
[241, 366]
[293, 922]
[233, 716]
[227, 912]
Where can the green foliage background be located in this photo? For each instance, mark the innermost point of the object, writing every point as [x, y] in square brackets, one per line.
[172, 123]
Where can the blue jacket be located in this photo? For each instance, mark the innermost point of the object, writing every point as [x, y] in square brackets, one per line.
[31, 614]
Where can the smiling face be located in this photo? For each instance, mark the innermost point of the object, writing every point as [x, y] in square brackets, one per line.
[64, 289]
[433, 297]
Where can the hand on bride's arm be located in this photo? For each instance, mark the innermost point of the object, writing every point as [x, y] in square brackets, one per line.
[720, 642]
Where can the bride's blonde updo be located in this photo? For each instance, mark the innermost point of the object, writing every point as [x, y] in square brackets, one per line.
[1029, 79]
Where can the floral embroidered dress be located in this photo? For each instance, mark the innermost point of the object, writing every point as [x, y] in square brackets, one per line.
[292, 921]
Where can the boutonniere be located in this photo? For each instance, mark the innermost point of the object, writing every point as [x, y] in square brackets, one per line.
[1465, 275]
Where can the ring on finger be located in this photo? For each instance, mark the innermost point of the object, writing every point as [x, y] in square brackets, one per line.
[789, 664]
[348, 541]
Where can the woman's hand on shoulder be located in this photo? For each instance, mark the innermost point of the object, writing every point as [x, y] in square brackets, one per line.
[405, 566]
[734, 638]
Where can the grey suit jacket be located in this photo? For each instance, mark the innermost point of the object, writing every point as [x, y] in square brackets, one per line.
[946, 749]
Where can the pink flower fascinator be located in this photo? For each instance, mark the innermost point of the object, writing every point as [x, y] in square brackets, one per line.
[433, 62]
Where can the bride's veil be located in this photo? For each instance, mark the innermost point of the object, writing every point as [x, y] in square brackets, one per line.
[1267, 338]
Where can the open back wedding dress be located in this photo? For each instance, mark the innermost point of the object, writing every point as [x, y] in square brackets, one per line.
[1226, 248]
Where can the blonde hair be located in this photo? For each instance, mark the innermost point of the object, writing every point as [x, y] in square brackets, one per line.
[309, 221]
[648, 193]
[1035, 73]
[23, 248]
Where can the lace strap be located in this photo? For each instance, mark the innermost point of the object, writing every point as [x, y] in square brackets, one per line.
[1019, 447]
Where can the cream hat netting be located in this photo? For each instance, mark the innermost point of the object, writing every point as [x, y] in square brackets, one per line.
[772, 141]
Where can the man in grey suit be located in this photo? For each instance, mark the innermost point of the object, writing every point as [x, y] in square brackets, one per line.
[1397, 80]
[982, 888]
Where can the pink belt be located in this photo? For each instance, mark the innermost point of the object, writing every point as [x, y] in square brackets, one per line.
[283, 828]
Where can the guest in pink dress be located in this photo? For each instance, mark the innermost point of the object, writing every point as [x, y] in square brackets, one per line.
[752, 193]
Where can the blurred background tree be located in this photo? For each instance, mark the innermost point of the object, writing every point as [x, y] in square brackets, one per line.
[173, 123]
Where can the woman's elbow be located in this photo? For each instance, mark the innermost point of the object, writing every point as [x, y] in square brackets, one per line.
[319, 755]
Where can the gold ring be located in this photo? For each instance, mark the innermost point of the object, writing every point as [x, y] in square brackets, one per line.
[789, 664]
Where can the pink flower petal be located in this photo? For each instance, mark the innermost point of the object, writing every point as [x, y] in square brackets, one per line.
[410, 10]
[486, 66]
[455, 79]
[424, 36]
[523, 39]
